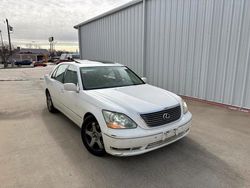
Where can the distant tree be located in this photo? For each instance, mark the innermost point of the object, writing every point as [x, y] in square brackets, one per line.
[5, 54]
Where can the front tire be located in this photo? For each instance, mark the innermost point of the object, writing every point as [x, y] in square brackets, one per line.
[92, 137]
[49, 102]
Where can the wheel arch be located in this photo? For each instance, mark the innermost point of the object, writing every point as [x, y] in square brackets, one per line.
[88, 114]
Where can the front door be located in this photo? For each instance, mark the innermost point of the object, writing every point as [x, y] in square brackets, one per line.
[71, 98]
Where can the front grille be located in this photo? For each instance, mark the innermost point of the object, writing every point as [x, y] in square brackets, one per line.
[162, 117]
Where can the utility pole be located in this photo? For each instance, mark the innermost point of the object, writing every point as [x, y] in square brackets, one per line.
[8, 29]
[51, 39]
[3, 51]
[1, 38]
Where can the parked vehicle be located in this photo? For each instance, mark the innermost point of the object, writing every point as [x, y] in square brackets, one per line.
[67, 57]
[117, 111]
[70, 56]
[62, 60]
[40, 64]
[53, 59]
[23, 62]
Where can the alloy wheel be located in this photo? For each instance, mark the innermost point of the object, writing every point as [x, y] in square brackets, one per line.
[49, 102]
[94, 136]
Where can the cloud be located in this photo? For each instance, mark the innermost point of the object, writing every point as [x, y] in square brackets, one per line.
[36, 20]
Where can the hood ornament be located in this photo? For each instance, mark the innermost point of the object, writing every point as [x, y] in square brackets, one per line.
[166, 116]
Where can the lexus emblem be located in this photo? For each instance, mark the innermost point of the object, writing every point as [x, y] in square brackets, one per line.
[166, 116]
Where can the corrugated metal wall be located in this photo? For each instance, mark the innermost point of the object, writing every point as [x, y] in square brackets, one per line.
[197, 48]
[116, 37]
[200, 48]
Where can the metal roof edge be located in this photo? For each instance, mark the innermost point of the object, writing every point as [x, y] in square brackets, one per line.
[112, 11]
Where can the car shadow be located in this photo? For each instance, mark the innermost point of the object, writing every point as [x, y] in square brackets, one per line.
[182, 164]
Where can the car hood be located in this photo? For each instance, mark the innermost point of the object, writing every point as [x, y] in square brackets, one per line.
[138, 98]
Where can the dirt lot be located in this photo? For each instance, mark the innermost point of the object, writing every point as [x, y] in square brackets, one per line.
[39, 149]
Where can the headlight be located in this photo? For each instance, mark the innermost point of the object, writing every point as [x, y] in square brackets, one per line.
[184, 106]
[115, 120]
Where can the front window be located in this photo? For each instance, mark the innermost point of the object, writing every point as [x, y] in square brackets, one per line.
[108, 77]
[71, 75]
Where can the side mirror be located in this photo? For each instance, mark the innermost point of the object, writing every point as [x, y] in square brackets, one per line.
[70, 87]
[144, 79]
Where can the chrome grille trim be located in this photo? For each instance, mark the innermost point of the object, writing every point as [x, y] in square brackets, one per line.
[156, 118]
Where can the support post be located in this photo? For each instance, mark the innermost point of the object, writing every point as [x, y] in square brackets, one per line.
[144, 70]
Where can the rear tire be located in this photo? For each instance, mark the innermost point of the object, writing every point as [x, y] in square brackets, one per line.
[92, 137]
[49, 102]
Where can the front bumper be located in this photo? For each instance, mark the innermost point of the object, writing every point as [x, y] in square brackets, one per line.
[138, 145]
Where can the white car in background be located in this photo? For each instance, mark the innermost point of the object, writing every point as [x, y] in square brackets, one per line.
[117, 111]
[66, 56]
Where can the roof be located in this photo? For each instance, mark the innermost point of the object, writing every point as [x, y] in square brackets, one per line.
[89, 63]
[129, 4]
[33, 51]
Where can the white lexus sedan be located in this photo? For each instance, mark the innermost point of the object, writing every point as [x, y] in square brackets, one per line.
[117, 111]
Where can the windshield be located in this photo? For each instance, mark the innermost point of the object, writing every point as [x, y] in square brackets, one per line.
[108, 77]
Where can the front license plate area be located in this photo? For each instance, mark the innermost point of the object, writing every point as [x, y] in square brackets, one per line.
[168, 137]
[168, 134]
[174, 132]
[181, 129]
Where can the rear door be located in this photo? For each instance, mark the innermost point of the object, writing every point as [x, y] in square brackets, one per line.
[57, 90]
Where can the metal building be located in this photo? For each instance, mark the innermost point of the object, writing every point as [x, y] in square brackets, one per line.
[196, 48]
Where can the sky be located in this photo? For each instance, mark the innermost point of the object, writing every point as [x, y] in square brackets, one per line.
[34, 21]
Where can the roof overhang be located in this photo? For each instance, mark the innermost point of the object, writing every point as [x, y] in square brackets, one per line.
[129, 4]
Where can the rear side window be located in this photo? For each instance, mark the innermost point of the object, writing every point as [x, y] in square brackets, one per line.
[71, 75]
[54, 73]
[59, 75]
